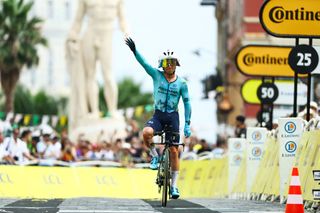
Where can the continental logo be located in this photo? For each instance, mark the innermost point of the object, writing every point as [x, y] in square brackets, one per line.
[264, 60]
[250, 59]
[291, 18]
[280, 14]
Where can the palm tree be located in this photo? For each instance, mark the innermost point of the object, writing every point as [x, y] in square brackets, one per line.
[19, 36]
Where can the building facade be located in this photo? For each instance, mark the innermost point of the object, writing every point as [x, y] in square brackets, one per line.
[51, 73]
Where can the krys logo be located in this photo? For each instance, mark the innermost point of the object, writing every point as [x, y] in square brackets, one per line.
[256, 136]
[290, 127]
[280, 14]
[256, 152]
[291, 146]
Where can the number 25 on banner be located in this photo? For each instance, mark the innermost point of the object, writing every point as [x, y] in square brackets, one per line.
[303, 59]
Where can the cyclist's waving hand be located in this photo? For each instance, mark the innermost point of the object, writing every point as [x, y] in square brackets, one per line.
[149, 69]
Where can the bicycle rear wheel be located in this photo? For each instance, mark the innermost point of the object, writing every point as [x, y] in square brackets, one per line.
[166, 179]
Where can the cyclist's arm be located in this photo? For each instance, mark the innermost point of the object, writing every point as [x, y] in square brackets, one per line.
[148, 68]
[186, 102]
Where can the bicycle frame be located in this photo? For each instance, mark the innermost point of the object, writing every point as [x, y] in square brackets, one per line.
[164, 172]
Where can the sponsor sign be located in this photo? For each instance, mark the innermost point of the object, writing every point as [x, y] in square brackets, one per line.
[294, 18]
[290, 132]
[259, 60]
[316, 194]
[237, 146]
[303, 59]
[267, 93]
[256, 136]
[316, 175]
[285, 90]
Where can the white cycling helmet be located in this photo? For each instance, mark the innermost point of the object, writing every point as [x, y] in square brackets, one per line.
[168, 55]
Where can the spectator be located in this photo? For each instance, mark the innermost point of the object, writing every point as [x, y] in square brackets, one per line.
[4, 154]
[241, 128]
[43, 144]
[17, 148]
[107, 152]
[221, 147]
[68, 151]
[56, 146]
[313, 111]
[204, 146]
[125, 156]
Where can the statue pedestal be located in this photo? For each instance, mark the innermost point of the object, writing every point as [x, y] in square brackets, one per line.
[99, 129]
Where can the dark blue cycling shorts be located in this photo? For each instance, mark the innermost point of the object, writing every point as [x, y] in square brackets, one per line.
[160, 119]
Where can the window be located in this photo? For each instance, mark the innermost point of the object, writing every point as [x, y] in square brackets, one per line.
[50, 68]
[67, 9]
[50, 8]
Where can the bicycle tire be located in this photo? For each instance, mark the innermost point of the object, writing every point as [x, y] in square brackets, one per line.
[166, 180]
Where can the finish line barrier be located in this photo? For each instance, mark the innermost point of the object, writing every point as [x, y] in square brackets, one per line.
[197, 179]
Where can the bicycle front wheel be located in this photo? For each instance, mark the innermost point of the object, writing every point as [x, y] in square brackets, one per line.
[166, 179]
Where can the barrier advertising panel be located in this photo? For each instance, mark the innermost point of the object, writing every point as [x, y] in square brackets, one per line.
[256, 136]
[236, 148]
[290, 131]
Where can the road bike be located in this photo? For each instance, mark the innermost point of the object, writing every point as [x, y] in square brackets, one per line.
[164, 172]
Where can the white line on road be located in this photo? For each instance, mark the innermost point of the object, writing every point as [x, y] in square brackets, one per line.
[102, 211]
[179, 208]
[263, 212]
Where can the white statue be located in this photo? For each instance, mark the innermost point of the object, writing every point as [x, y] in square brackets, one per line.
[95, 45]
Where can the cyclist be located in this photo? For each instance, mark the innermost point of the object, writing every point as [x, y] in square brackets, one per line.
[168, 88]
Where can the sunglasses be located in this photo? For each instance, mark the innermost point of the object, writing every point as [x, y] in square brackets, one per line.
[167, 61]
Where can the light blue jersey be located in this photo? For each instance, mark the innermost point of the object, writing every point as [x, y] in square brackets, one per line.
[167, 95]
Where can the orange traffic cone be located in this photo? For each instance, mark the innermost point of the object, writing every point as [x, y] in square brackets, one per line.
[295, 201]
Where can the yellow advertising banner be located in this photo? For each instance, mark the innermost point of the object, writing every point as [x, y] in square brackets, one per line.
[259, 60]
[291, 18]
[197, 179]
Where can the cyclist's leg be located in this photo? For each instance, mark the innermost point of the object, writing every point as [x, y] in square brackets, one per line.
[148, 131]
[173, 120]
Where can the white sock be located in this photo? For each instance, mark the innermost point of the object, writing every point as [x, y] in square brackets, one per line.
[153, 151]
[175, 175]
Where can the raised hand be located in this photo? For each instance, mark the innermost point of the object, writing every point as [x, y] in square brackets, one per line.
[131, 45]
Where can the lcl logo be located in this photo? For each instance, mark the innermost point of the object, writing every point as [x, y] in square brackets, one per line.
[52, 179]
[104, 180]
[5, 178]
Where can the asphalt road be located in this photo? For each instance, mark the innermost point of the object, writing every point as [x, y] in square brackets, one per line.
[109, 205]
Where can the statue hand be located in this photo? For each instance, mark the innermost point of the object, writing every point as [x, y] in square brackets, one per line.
[72, 48]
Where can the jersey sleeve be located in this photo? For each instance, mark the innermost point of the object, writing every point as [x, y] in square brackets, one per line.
[186, 101]
[148, 68]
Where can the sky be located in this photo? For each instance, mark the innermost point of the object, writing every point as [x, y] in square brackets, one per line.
[180, 25]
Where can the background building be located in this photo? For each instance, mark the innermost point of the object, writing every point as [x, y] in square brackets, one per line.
[51, 74]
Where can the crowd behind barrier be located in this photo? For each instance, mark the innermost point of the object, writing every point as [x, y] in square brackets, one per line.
[43, 146]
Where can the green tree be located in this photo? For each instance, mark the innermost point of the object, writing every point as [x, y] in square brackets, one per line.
[40, 103]
[19, 37]
[130, 95]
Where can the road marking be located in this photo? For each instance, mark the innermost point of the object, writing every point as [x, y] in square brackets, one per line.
[264, 212]
[102, 211]
[179, 208]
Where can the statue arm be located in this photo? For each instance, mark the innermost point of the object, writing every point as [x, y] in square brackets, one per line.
[122, 18]
[76, 27]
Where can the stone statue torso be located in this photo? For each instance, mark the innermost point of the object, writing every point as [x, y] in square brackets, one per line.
[101, 13]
